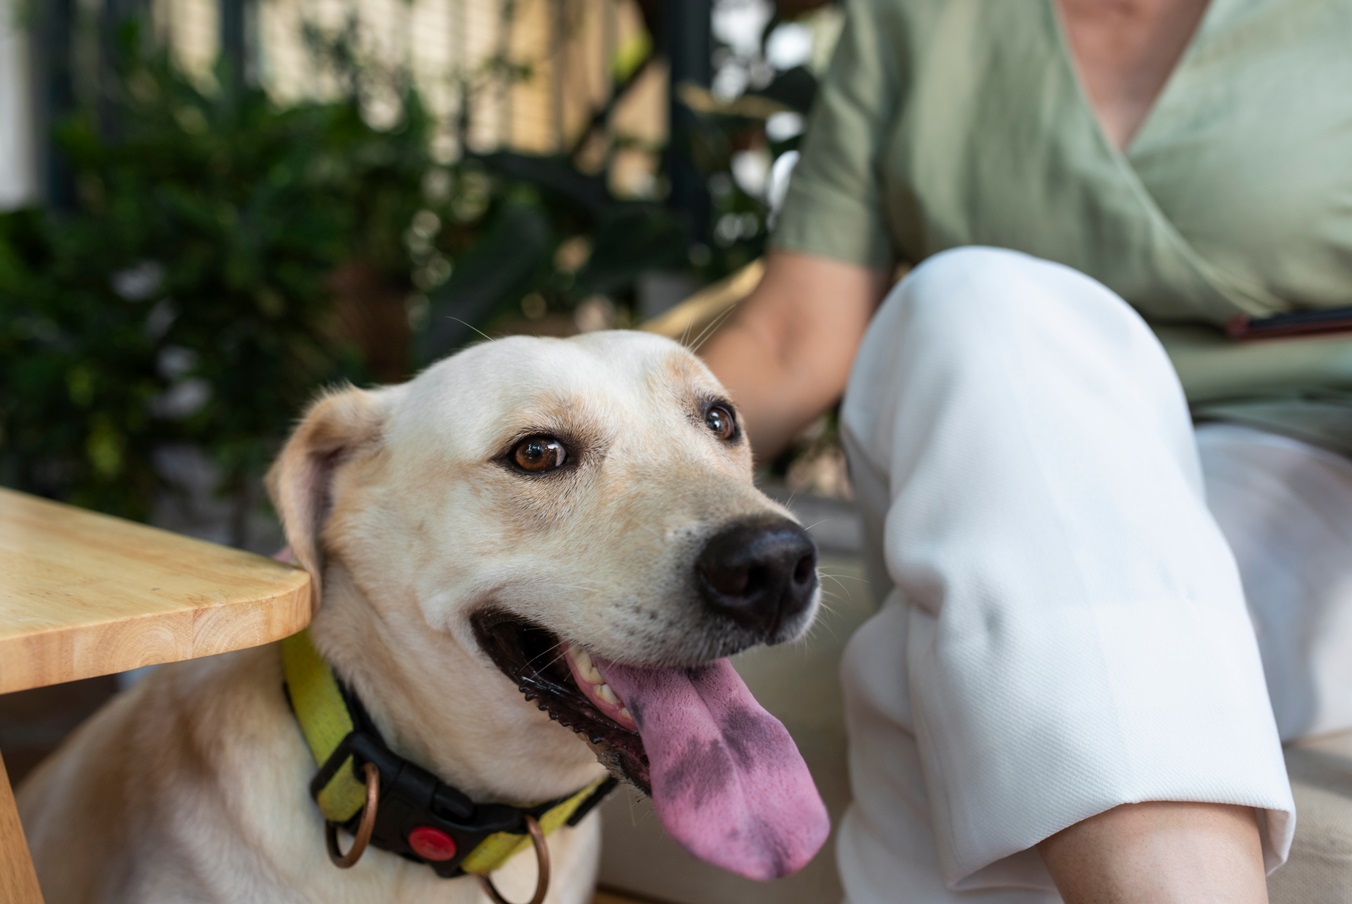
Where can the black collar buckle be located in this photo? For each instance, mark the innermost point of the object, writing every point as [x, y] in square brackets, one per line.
[425, 820]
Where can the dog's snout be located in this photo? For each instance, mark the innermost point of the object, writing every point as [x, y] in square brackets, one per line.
[759, 572]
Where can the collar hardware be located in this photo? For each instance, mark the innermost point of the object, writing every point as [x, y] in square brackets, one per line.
[415, 805]
[362, 837]
[537, 838]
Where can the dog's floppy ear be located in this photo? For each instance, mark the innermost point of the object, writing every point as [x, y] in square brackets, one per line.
[301, 480]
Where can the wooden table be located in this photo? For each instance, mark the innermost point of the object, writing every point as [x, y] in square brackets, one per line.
[83, 594]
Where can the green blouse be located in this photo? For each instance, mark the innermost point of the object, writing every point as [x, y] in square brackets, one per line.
[962, 122]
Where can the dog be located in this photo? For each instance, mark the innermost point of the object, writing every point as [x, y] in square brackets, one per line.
[529, 565]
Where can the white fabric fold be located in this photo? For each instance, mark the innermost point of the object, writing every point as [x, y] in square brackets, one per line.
[1068, 630]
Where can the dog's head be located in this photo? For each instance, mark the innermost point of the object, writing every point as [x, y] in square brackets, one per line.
[580, 514]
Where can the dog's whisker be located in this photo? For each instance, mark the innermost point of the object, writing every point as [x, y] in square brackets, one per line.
[580, 588]
[826, 602]
[829, 599]
[557, 658]
[841, 585]
[552, 650]
[638, 814]
[713, 326]
[559, 655]
[843, 576]
[821, 625]
[471, 326]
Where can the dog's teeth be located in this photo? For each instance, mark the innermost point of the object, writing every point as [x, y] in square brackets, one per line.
[605, 693]
[582, 660]
[625, 713]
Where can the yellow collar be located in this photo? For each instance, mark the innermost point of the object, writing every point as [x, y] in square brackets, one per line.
[413, 802]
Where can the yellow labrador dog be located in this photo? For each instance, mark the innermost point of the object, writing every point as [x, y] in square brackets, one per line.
[530, 563]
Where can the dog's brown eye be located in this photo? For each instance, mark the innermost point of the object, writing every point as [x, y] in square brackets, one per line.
[721, 421]
[537, 454]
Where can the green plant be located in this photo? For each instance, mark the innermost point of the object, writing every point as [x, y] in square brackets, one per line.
[184, 300]
[78, 376]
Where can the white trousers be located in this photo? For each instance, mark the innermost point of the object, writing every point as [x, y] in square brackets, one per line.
[1068, 627]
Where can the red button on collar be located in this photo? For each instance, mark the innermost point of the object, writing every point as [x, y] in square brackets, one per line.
[431, 844]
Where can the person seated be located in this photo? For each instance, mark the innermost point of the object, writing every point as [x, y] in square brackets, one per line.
[1107, 601]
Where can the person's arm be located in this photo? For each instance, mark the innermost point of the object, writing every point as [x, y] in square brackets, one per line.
[787, 352]
[1164, 853]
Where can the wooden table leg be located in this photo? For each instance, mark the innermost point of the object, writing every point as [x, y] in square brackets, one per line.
[18, 882]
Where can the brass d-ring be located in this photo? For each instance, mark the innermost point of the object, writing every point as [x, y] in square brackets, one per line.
[537, 838]
[364, 828]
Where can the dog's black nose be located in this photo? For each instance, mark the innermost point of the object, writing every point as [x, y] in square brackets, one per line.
[758, 572]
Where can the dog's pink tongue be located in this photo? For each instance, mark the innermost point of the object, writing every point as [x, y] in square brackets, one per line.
[727, 781]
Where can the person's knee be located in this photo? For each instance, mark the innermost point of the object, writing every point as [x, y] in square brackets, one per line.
[953, 290]
[961, 301]
[942, 319]
[963, 309]
[974, 267]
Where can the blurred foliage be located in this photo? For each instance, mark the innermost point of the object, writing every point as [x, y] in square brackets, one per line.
[729, 128]
[381, 177]
[78, 367]
[204, 283]
[184, 299]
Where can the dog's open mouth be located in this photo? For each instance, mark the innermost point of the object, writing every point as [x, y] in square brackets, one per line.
[725, 778]
[563, 681]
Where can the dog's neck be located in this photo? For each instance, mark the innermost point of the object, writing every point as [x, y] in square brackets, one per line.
[439, 703]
